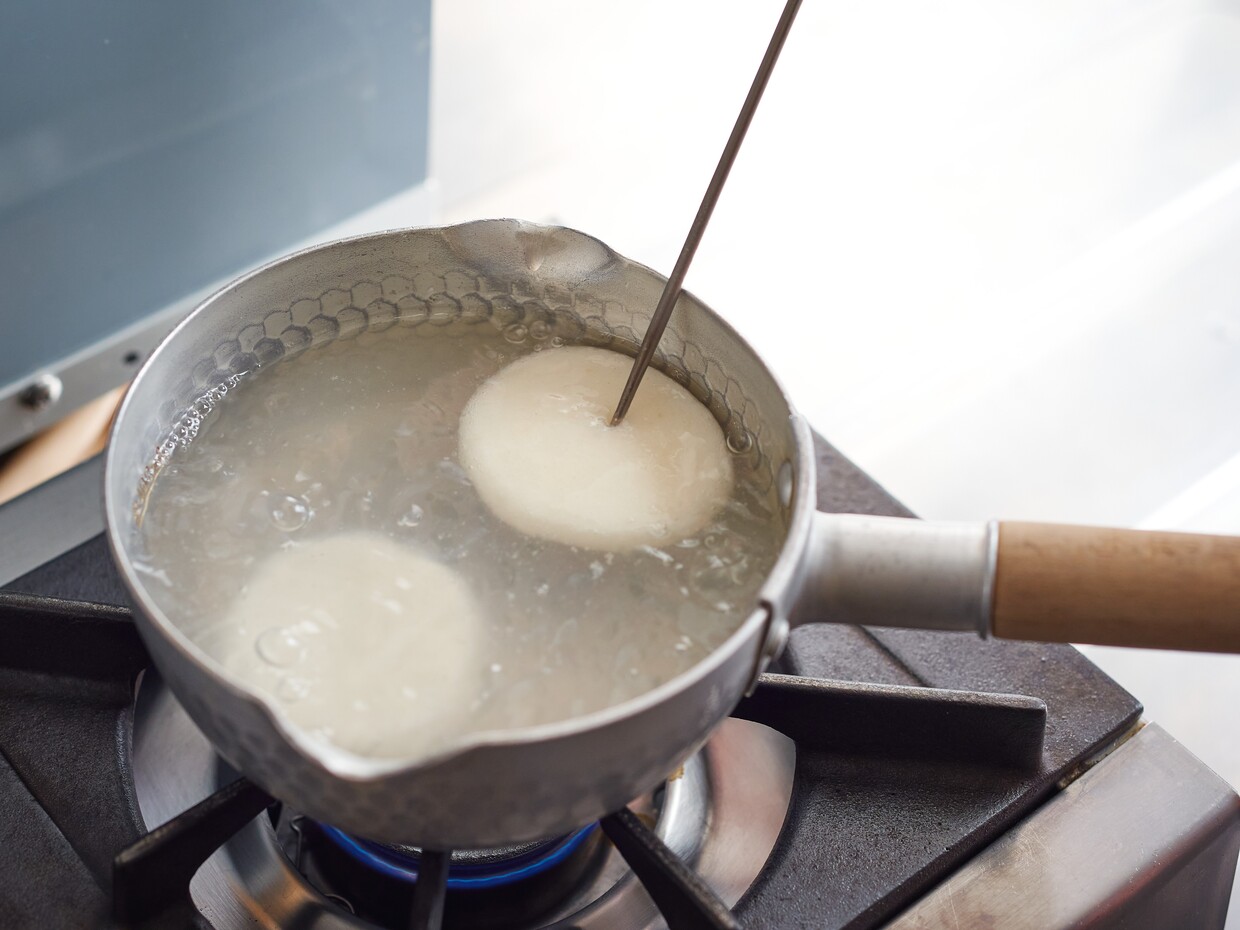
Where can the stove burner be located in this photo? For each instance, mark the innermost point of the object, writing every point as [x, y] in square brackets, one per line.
[485, 888]
[721, 818]
[470, 868]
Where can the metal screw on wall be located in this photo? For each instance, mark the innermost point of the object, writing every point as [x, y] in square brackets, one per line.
[41, 393]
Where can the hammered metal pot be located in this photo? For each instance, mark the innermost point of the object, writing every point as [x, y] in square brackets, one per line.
[1019, 580]
[492, 789]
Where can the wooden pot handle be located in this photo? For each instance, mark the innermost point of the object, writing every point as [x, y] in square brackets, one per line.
[1117, 587]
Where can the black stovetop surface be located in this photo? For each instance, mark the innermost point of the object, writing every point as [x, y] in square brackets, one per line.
[892, 791]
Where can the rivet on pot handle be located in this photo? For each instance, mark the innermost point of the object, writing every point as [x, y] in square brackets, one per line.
[1031, 581]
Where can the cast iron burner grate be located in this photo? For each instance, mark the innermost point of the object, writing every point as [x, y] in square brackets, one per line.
[897, 783]
[151, 878]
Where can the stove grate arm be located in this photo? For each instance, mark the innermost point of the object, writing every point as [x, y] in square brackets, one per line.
[430, 890]
[685, 901]
[150, 879]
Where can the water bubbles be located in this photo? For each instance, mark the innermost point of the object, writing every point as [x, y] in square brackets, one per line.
[289, 512]
[515, 333]
[720, 568]
[453, 472]
[557, 341]
[293, 688]
[739, 441]
[411, 517]
[280, 647]
[664, 557]
[540, 330]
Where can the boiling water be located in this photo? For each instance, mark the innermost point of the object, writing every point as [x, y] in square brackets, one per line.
[359, 437]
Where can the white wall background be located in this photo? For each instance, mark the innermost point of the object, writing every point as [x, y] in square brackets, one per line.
[992, 249]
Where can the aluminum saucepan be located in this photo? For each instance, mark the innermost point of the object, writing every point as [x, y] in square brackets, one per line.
[514, 786]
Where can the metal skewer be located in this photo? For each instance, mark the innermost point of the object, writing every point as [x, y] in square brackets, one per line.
[671, 293]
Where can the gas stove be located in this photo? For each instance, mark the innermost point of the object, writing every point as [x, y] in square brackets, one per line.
[876, 779]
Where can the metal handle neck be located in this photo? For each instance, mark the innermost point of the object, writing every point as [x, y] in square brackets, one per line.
[894, 571]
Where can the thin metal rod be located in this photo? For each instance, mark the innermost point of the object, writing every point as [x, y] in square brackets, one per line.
[671, 293]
